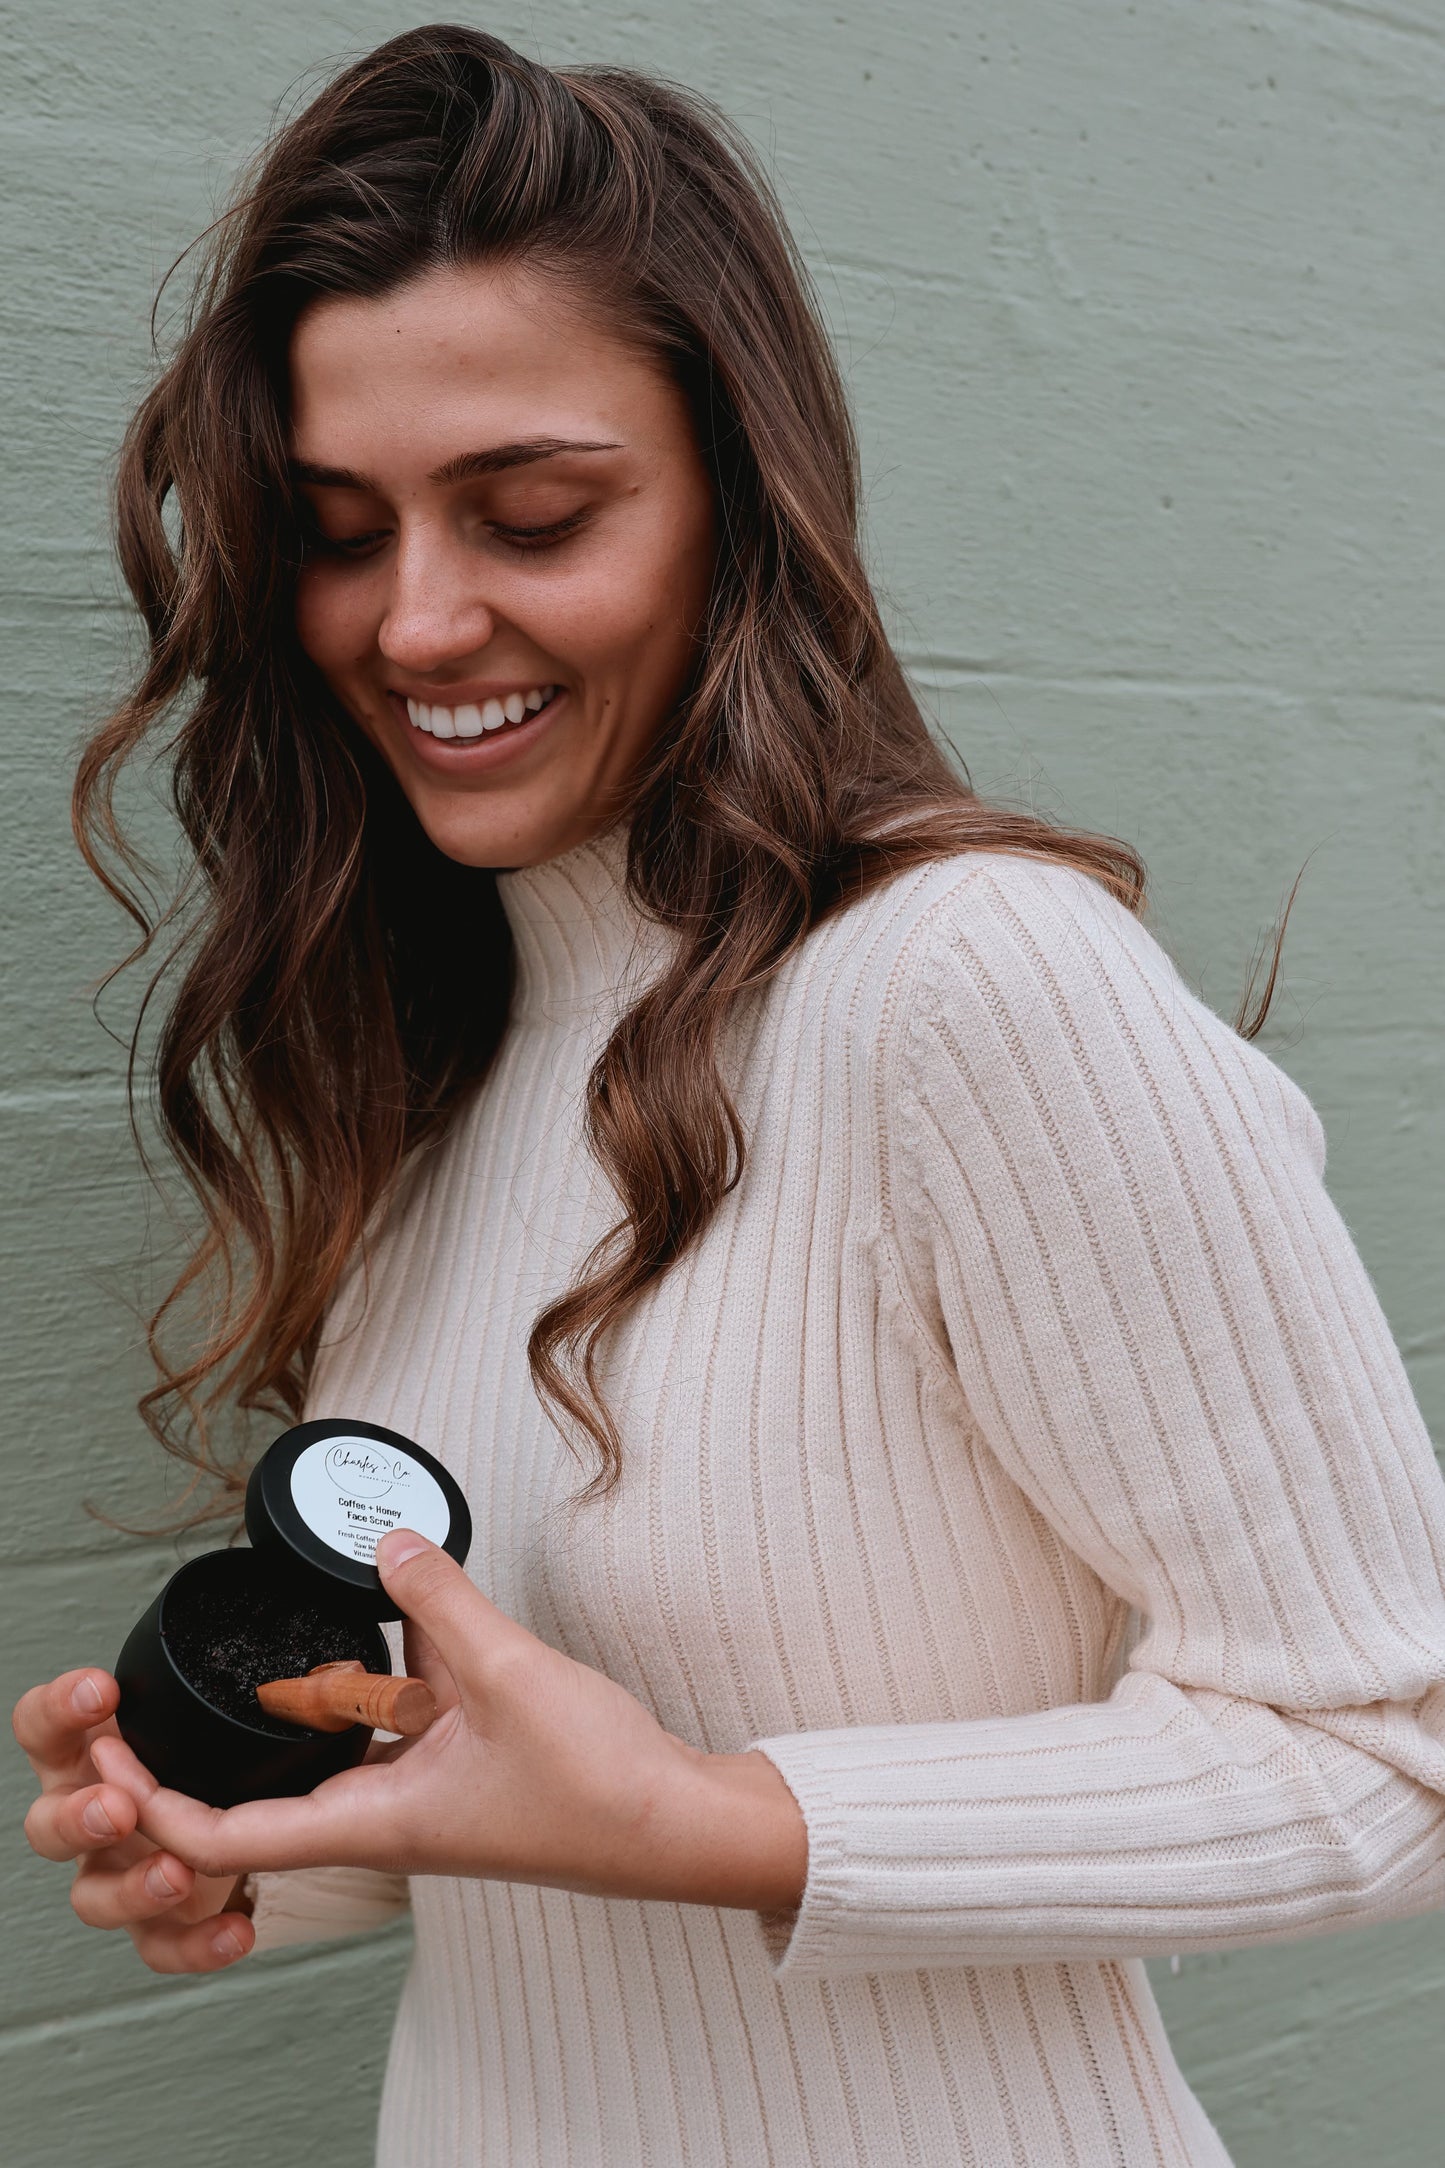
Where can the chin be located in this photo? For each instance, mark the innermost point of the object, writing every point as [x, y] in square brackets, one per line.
[471, 838]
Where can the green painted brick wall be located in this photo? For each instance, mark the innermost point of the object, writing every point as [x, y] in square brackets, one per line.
[1141, 309]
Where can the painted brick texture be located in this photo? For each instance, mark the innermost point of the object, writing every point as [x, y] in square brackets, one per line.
[1141, 310]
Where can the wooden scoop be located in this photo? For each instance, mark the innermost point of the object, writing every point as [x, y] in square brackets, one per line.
[333, 1697]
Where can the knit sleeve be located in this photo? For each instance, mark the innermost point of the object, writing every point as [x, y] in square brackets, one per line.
[316, 1904]
[1110, 1227]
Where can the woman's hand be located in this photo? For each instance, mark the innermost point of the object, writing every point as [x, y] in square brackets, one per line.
[179, 1921]
[536, 1769]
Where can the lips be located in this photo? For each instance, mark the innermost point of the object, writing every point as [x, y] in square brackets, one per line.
[472, 753]
[469, 719]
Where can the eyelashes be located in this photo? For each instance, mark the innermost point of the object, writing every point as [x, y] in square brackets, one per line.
[530, 538]
[351, 545]
[350, 548]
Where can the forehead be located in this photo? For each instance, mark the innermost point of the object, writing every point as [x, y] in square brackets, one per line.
[468, 355]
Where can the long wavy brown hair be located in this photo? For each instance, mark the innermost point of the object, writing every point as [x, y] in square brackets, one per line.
[316, 1035]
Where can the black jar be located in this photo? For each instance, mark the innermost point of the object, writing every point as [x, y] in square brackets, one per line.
[306, 1592]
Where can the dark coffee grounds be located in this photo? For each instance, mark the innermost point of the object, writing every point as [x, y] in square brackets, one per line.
[228, 1637]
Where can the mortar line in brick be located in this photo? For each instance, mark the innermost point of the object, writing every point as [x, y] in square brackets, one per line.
[963, 671]
[143, 2003]
[1374, 18]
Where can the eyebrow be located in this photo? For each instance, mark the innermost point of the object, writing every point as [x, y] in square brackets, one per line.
[465, 467]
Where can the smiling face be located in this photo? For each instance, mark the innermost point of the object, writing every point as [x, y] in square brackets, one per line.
[511, 550]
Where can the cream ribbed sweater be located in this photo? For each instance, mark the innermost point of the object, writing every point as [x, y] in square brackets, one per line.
[1029, 1313]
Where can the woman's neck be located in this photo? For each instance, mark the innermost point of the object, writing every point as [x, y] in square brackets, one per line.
[579, 937]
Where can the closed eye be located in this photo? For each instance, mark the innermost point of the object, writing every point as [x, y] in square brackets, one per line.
[513, 537]
[345, 545]
[531, 538]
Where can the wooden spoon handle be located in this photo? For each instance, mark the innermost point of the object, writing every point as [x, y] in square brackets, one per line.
[333, 1697]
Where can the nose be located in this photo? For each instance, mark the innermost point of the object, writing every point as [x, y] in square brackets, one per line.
[436, 614]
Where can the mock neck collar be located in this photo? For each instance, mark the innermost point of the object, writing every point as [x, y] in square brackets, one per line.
[579, 938]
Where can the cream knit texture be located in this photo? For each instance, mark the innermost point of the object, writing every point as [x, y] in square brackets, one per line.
[1021, 1459]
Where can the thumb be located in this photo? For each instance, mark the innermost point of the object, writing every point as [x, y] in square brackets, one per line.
[430, 1588]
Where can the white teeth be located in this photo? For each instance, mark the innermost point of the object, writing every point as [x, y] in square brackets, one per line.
[471, 721]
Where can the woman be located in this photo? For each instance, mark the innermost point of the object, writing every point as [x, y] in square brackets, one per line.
[606, 1018]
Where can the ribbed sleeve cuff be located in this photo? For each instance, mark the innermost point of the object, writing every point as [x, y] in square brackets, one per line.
[319, 1904]
[1156, 1820]
[800, 1942]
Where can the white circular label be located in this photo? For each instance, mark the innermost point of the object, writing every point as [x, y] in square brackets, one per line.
[353, 1491]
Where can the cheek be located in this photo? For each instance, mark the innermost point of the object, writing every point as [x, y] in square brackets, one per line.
[334, 623]
[611, 619]
[640, 608]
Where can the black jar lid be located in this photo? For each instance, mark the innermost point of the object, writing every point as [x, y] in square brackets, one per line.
[322, 1497]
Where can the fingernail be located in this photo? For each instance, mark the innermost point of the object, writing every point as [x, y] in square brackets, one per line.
[394, 1550]
[86, 1696]
[158, 1884]
[96, 1820]
[228, 1946]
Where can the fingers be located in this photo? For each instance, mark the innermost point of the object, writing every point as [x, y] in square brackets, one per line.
[328, 1827]
[68, 1824]
[466, 1633]
[52, 1721]
[106, 1898]
[423, 1661]
[207, 1946]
